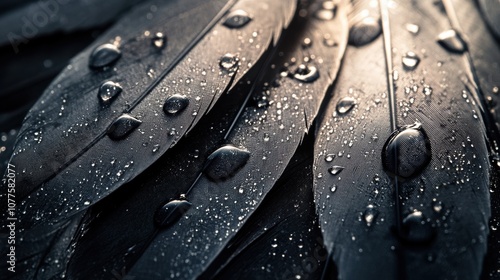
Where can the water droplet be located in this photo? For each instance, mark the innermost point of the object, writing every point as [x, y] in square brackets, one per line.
[329, 157]
[437, 205]
[306, 74]
[407, 151]
[333, 188]
[109, 91]
[364, 31]
[171, 212]
[412, 28]
[229, 62]
[416, 229]
[104, 55]
[307, 43]
[427, 90]
[345, 105]
[327, 11]
[123, 126]
[410, 61]
[159, 40]
[452, 41]
[370, 214]
[237, 19]
[225, 162]
[334, 170]
[175, 104]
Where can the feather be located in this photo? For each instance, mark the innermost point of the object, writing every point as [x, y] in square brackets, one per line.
[150, 252]
[94, 131]
[402, 169]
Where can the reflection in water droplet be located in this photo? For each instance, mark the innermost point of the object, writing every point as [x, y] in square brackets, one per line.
[345, 105]
[410, 61]
[364, 32]
[416, 229]
[229, 62]
[370, 214]
[427, 90]
[307, 43]
[306, 74]
[437, 205]
[452, 41]
[412, 28]
[171, 212]
[334, 170]
[329, 157]
[159, 40]
[175, 104]
[104, 55]
[407, 151]
[109, 91]
[333, 188]
[237, 19]
[123, 126]
[225, 162]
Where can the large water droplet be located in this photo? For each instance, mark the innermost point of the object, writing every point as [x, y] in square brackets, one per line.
[334, 170]
[175, 104]
[410, 61]
[452, 41]
[109, 91]
[159, 40]
[407, 151]
[225, 162]
[416, 229]
[123, 126]
[229, 62]
[370, 214]
[306, 74]
[345, 105]
[104, 55]
[364, 31]
[237, 19]
[171, 212]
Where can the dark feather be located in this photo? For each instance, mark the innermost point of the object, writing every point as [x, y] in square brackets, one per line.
[365, 223]
[70, 108]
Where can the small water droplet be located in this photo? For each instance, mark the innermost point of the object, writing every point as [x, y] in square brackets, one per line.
[225, 162]
[307, 42]
[412, 28]
[416, 229]
[104, 55]
[364, 31]
[407, 151]
[159, 40]
[333, 188]
[109, 91]
[229, 62]
[427, 90]
[437, 205]
[237, 19]
[175, 104]
[410, 61]
[329, 157]
[306, 74]
[345, 105]
[452, 41]
[123, 126]
[171, 212]
[334, 170]
[370, 214]
[327, 11]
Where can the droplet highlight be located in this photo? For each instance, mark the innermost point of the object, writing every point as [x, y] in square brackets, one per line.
[225, 162]
[171, 212]
[175, 104]
[364, 31]
[237, 19]
[159, 40]
[123, 126]
[416, 229]
[335, 170]
[407, 152]
[345, 105]
[108, 91]
[306, 74]
[452, 41]
[410, 61]
[370, 215]
[229, 62]
[327, 11]
[104, 55]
